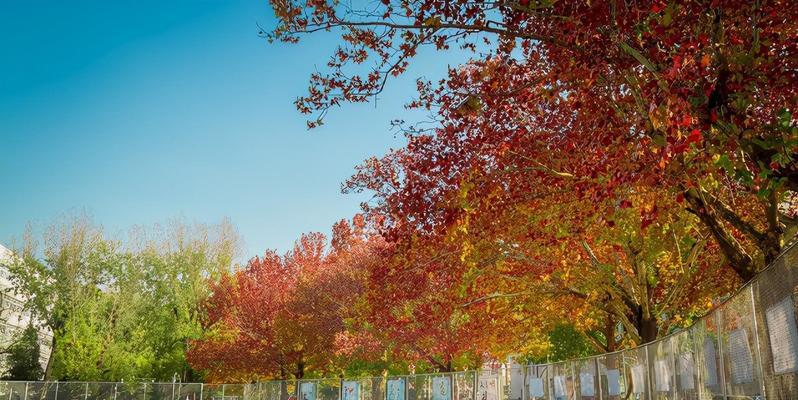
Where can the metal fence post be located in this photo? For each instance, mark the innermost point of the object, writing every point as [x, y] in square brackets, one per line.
[598, 379]
[523, 381]
[115, 391]
[26, 391]
[675, 368]
[223, 391]
[648, 384]
[574, 383]
[202, 389]
[756, 341]
[56, 390]
[145, 390]
[721, 363]
[86, 393]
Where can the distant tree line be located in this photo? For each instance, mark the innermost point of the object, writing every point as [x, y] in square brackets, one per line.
[118, 309]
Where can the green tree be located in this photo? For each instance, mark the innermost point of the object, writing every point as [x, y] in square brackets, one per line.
[75, 258]
[122, 309]
[23, 356]
[567, 342]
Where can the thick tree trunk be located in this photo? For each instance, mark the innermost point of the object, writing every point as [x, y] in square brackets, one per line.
[774, 237]
[648, 329]
[740, 261]
[300, 369]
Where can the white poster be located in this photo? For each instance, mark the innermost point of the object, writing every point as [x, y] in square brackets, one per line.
[307, 391]
[662, 372]
[638, 379]
[613, 382]
[536, 387]
[488, 388]
[396, 389]
[351, 390]
[783, 336]
[742, 363]
[710, 363]
[516, 381]
[441, 388]
[587, 384]
[686, 371]
[559, 387]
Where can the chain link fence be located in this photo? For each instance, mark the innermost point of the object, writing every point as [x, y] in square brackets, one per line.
[747, 348]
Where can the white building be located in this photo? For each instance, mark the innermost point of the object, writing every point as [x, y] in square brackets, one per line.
[13, 316]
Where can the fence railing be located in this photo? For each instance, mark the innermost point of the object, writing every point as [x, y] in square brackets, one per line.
[747, 348]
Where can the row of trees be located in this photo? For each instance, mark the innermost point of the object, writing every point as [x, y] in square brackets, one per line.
[615, 166]
[120, 309]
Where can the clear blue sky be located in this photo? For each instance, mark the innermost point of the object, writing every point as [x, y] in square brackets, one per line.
[140, 111]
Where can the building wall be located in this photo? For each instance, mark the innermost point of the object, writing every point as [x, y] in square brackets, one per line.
[13, 316]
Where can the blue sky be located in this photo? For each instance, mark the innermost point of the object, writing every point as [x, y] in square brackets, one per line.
[141, 111]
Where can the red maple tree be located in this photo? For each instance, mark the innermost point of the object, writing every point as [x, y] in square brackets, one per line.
[592, 99]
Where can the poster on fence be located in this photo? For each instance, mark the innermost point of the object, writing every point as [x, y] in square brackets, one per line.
[587, 384]
[742, 363]
[307, 391]
[351, 390]
[639, 378]
[441, 388]
[710, 363]
[536, 388]
[396, 389]
[783, 336]
[559, 387]
[516, 381]
[464, 385]
[488, 388]
[662, 373]
[686, 371]
[613, 382]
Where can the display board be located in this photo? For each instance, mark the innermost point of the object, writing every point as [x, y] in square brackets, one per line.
[441, 388]
[742, 363]
[307, 391]
[350, 390]
[587, 384]
[662, 374]
[686, 371]
[516, 381]
[395, 389]
[639, 378]
[559, 387]
[710, 363]
[613, 382]
[536, 388]
[488, 388]
[783, 336]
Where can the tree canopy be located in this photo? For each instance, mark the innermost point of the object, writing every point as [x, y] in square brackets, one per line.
[121, 310]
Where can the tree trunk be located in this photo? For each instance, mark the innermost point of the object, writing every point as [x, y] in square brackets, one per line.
[300, 369]
[648, 329]
[741, 262]
[774, 236]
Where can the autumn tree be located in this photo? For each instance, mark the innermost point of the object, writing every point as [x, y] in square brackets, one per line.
[696, 98]
[282, 315]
